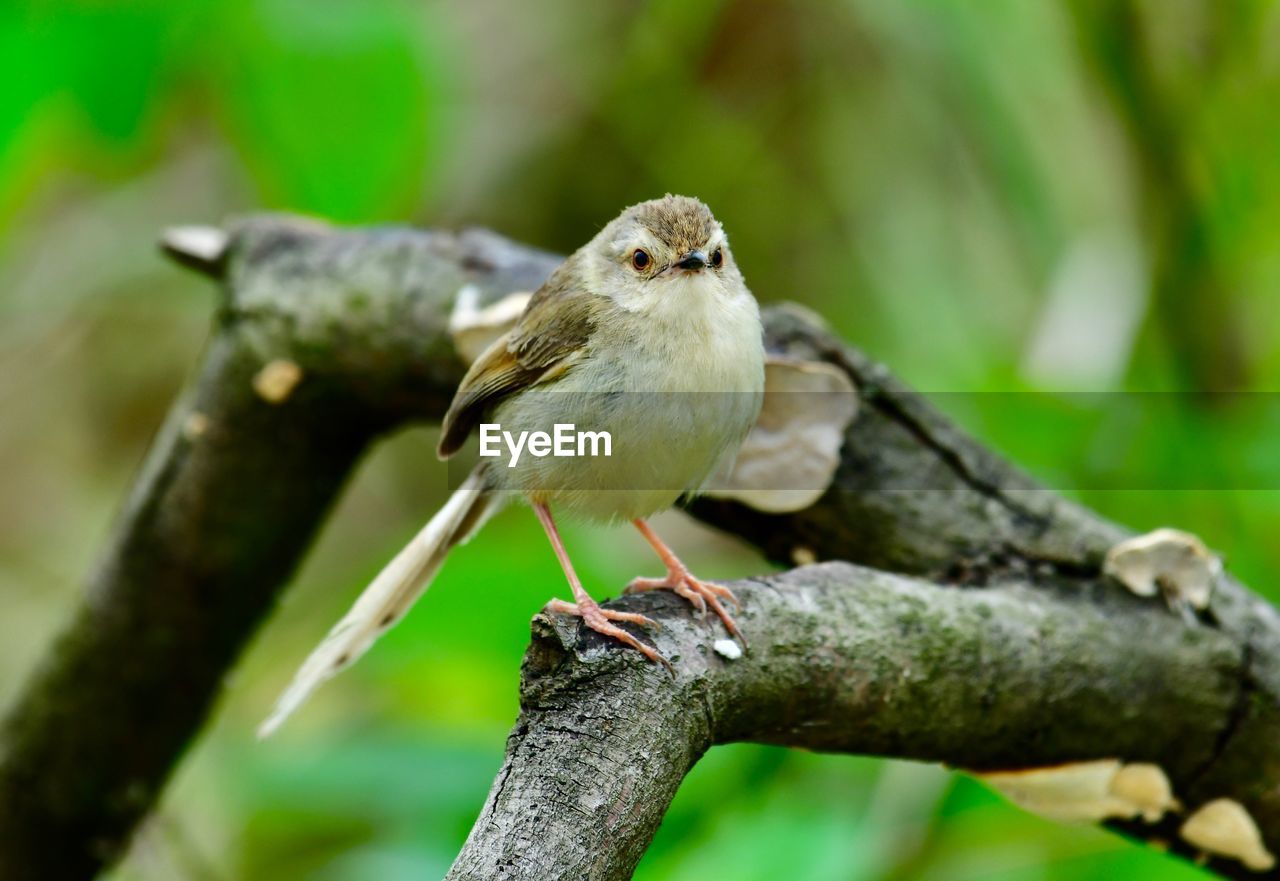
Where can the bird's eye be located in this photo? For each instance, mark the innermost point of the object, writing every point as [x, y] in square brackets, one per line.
[717, 258]
[640, 258]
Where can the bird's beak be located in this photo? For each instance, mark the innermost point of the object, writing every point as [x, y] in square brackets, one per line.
[694, 260]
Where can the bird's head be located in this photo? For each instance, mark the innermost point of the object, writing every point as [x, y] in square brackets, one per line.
[665, 248]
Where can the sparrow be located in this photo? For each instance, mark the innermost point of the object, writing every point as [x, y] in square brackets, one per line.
[647, 333]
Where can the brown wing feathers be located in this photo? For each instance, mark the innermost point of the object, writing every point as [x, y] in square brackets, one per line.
[556, 324]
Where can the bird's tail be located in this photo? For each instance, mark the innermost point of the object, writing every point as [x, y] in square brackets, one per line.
[390, 596]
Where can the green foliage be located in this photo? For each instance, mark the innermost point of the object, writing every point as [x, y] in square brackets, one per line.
[1002, 199]
[337, 114]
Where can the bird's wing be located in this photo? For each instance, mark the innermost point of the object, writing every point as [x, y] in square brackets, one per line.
[554, 328]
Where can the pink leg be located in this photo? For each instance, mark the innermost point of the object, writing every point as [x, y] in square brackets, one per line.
[679, 579]
[584, 606]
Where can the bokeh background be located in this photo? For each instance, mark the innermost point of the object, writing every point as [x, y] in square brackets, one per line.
[1000, 199]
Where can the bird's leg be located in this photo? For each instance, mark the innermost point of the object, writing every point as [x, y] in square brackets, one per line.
[679, 579]
[592, 614]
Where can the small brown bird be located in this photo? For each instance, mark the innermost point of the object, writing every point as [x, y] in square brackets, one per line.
[647, 335]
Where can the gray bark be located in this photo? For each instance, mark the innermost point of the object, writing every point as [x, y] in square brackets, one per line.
[1006, 648]
[843, 659]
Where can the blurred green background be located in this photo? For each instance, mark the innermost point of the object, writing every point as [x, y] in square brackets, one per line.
[1002, 196]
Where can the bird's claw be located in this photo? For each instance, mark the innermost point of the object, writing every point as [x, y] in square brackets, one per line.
[700, 593]
[599, 619]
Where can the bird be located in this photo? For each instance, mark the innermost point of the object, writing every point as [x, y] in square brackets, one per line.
[648, 334]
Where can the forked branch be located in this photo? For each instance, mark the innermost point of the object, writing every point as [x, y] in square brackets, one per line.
[1005, 647]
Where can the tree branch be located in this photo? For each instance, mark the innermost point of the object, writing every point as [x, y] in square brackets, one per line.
[849, 660]
[844, 659]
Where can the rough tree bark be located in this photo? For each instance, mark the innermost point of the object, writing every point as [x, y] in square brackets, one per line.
[1005, 648]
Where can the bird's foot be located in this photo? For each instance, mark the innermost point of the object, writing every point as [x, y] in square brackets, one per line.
[698, 592]
[598, 619]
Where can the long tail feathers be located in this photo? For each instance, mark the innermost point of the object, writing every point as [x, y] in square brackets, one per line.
[389, 597]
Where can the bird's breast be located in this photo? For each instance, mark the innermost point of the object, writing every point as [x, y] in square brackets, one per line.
[674, 403]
